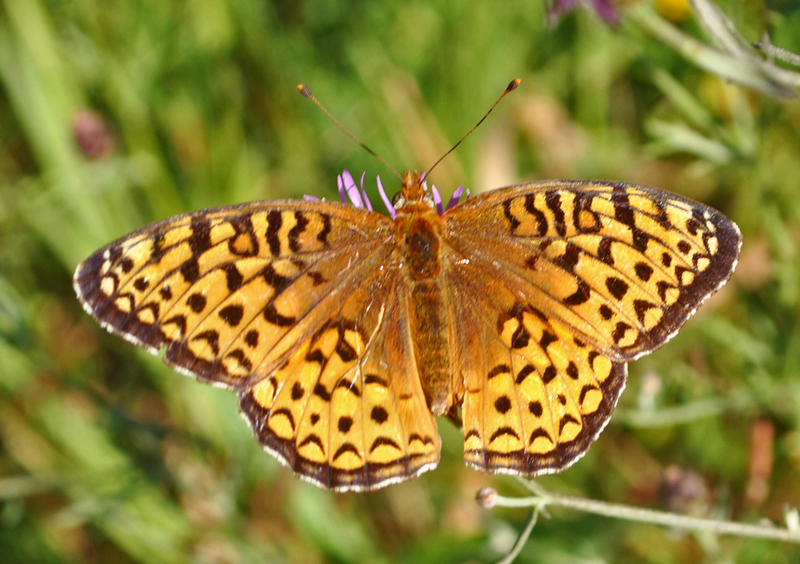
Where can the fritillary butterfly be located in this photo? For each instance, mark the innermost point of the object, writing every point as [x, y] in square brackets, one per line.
[345, 332]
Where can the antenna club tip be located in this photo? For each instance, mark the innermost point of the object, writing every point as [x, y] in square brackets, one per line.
[303, 90]
[513, 84]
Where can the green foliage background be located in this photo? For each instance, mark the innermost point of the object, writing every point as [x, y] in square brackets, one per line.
[108, 456]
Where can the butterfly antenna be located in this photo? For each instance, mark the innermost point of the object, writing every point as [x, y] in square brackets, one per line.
[307, 93]
[512, 86]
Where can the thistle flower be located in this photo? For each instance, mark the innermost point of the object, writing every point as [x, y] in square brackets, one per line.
[357, 195]
[604, 8]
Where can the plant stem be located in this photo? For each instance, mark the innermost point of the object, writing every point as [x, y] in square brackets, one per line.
[543, 498]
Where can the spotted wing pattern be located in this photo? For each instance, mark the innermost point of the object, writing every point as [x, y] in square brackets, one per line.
[347, 409]
[557, 286]
[282, 302]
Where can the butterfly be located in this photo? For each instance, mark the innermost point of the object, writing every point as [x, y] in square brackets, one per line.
[346, 332]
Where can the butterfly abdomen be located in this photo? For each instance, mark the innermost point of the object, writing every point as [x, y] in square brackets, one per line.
[419, 235]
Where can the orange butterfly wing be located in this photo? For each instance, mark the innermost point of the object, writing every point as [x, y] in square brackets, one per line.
[556, 286]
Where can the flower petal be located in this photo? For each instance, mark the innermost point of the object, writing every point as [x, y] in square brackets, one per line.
[386, 201]
[437, 199]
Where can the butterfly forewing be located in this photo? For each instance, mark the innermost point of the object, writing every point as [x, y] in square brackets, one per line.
[574, 279]
[231, 292]
[623, 266]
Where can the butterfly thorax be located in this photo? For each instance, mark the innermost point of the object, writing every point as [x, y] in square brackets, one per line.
[419, 230]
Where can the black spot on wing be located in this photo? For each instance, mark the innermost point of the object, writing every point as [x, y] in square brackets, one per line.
[499, 369]
[553, 201]
[312, 438]
[375, 379]
[233, 277]
[232, 314]
[346, 447]
[274, 223]
[379, 415]
[509, 216]
[604, 251]
[643, 271]
[581, 295]
[251, 338]
[547, 339]
[344, 424]
[618, 288]
[326, 229]
[566, 420]
[277, 281]
[503, 431]
[572, 370]
[240, 358]
[199, 243]
[526, 371]
[520, 338]
[275, 318]
[383, 441]
[322, 392]
[541, 220]
[297, 230]
[539, 433]
[624, 214]
[502, 404]
[126, 264]
[569, 259]
[196, 302]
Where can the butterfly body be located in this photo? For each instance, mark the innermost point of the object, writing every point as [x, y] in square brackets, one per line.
[419, 235]
[344, 332]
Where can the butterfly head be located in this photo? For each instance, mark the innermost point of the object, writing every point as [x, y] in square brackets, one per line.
[413, 194]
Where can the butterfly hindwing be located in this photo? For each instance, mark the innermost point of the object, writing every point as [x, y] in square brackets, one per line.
[347, 410]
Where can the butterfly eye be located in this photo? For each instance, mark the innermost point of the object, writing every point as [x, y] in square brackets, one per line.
[398, 200]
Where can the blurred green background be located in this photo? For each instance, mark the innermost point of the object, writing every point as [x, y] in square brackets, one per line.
[116, 113]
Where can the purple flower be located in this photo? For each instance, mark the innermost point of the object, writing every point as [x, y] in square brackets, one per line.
[604, 8]
[93, 134]
[348, 190]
